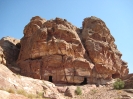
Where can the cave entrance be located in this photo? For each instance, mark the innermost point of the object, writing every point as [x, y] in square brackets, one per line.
[84, 81]
[116, 75]
[50, 79]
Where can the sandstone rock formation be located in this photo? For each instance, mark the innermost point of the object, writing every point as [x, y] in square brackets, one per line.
[24, 86]
[128, 79]
[101, 50]
[9, 51]
[58, 51]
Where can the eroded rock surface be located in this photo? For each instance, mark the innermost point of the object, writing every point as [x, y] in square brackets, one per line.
[14, 86]
[102, 51]
[17, 84]
[9, 51]
[58, 51]
[128, 79]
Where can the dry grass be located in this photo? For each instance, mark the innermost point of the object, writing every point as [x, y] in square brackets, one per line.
[39, 95]
[93, 91]
[22, 92]
[10, 90]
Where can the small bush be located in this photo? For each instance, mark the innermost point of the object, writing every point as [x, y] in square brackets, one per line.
[78, 91]
[119, 84]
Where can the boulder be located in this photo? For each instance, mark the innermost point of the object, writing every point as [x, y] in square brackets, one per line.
[70, 91]
[61, 89]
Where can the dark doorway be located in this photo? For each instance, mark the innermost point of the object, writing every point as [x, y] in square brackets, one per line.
[84, 82]
[116, 75]
[50, 79]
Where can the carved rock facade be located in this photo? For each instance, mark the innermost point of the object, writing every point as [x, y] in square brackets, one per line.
[57, 51]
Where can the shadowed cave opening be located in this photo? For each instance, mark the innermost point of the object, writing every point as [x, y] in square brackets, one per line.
[18, 45]
[84, 81]
[116, 75]
[50, 79]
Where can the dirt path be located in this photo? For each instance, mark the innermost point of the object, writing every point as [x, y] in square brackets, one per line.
[104, 92]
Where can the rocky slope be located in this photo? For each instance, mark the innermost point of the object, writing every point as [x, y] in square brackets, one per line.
[21, 86]
[14, 86]
[58, 51]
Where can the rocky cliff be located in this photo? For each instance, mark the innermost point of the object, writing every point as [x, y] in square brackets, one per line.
[58, 51]
[9, 51]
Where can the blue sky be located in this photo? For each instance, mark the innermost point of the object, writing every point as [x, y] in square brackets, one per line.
[117, 14]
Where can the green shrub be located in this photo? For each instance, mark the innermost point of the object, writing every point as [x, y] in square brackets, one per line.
[78, 91]
[118, 84]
